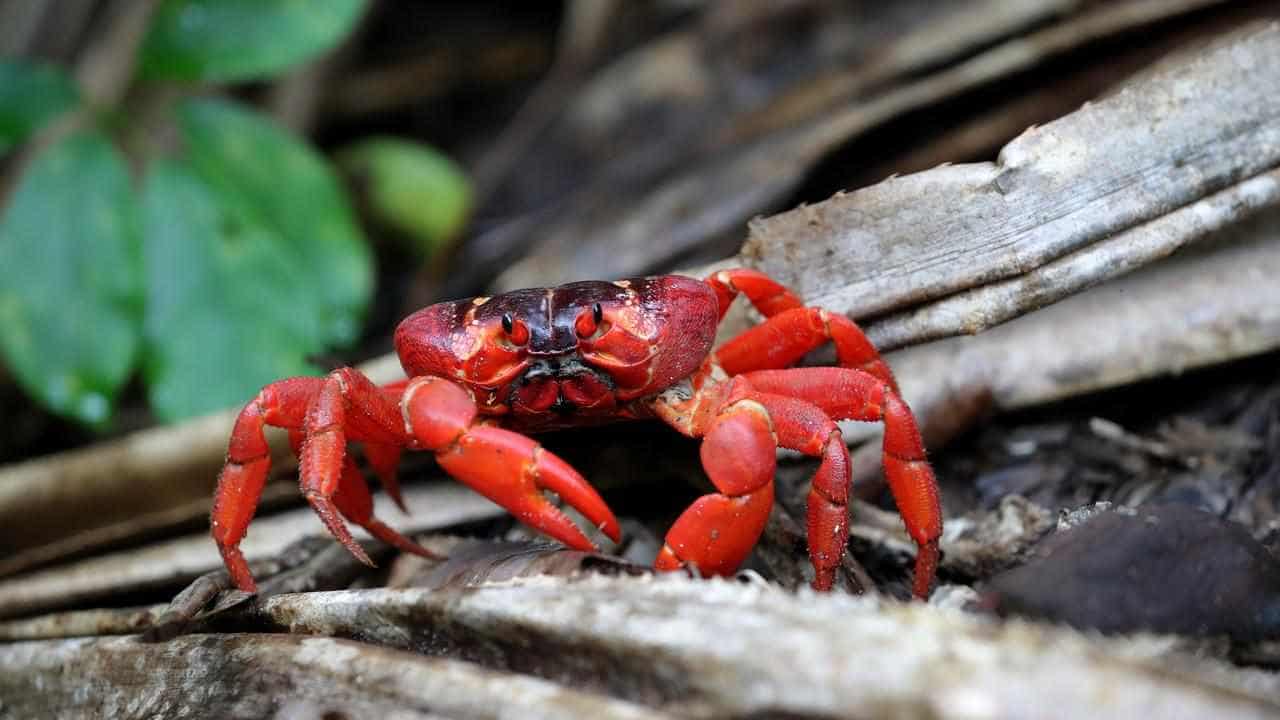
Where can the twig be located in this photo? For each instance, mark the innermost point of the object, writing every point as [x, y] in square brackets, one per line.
[103, 73]
[105, 69]
[1114, 432]
[20, 27]
[294, 99]
[81, 623]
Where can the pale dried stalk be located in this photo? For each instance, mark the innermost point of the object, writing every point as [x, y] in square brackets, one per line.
[1192, 310]
[717, 649]
[973, 311]
[81, 623]
[258, 676]
[1206, 306]
[1172, 138]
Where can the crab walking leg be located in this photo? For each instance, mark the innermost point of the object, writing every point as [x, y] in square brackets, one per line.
[356, 504]
[767, 295]
[844, 393]
[716, 532]
[790, 331]
[508, 468]
[319, 407]
[804, 427]
[347, 405]
[384, 458]
[240, 483]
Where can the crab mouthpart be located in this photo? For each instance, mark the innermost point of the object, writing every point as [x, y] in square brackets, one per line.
[559, 385]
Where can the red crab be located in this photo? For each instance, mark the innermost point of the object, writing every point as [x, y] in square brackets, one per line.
[483, 371]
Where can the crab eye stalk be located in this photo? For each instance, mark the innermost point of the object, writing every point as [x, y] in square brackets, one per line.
[517, 332]
[587, 322]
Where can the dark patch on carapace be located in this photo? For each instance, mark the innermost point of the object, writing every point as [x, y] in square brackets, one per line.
[549, 313]
[647, 333]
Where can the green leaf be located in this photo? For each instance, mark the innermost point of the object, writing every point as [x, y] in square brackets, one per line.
[282, 192]
[237, 40]
[30, 96]
[223, 296]
[70, 281]
[411, 188]
[253, 258]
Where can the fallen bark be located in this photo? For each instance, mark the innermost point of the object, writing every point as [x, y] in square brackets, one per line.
[1192, 310]
[1167, 140]
[1189, 311]
[975, 310]
[691, 647]
[648, 227]
[257, 676]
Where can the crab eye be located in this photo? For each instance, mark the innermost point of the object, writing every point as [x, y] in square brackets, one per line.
[515, 329]
[586, 324]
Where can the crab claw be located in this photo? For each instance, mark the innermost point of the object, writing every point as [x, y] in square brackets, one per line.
[506, 467]
[512, 470]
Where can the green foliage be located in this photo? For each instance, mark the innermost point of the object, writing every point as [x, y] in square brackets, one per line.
[220, 315]
[70, 305]
[411, 188]
[30, 96]
[238, 40]
[253, 262]
[237, 259]
[271, 183]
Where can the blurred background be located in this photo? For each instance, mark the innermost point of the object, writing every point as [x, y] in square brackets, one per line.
[199, 197]
[202, 196]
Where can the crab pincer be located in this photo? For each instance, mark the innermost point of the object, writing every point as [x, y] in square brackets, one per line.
[508, 468]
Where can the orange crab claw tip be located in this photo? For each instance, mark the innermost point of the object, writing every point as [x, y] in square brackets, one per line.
[612, 530]
[667, 560]
[557, 476]
[545, 517]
